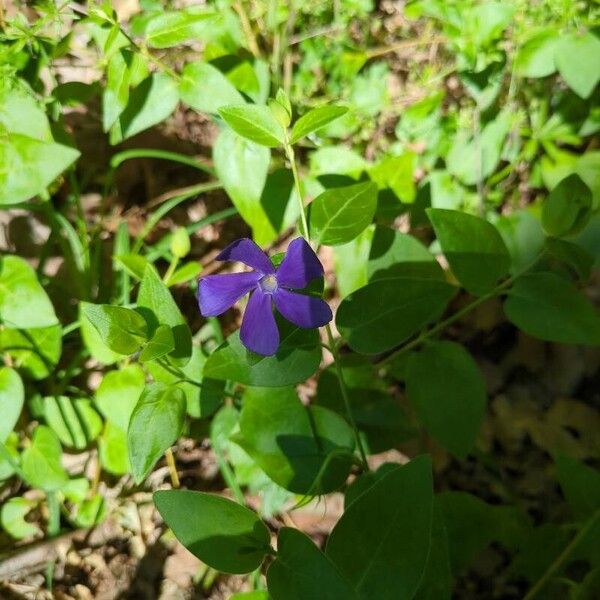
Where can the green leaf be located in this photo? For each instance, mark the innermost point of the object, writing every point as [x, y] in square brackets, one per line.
[202, 400]
[381, 543]
[576, 58]
[255, 123]
[349, 263]
[437, 579]
[568, 207]
[12, 518]
[397, 174]
[21, 113]
[150, 103]
[28, 166]
[23, 301]
[386, 312]
[472, 160]
[577, 258]
[447, 391]
[339, 215]
[122, 329]
[93, 341]
[307, 450]
[155, 424]
[12, 397]
[302, 571]
[34, 351]
[472, 525]
[315, 119]
[171, 28]
[255, 595]
[162, 343]
[75, 422]
[338, 160]
[535, 58]
[116, 93]
[242, 167]
[134, 264]
[475, 250]
[394, 254]
[548, 307]
[156, 303]
[297, 358]
[186, 272]
[112, 450]
[226, 536]
[580, 485]
[41, 461]
[205, 88]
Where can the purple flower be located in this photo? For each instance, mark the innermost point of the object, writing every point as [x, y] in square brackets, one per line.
[267, 284]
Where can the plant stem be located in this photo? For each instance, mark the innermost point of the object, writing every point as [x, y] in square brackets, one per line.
[344, 390]
[304, 225]
[54, 514]
[169, 273]
[332, 345]
[172, 468]
[563, 556]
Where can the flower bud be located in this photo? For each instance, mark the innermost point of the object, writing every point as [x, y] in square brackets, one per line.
[180, 243]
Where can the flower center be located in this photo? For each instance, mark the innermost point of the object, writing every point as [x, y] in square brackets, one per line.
[268, 284]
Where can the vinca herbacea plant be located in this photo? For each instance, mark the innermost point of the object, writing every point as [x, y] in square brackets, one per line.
[299, 300]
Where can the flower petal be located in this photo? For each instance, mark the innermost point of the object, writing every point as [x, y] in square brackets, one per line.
[246, 251]
[300, 265]
[216, 293]
[259, 331]
[305, 311]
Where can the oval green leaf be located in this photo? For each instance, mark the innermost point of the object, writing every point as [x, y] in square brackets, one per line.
[255, 123]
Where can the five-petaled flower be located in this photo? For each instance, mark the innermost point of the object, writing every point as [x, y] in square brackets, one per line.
[268, 284]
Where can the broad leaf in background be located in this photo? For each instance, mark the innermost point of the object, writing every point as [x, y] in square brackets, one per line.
[296, 359]
[397, 174]
[75, 422]
[156, 303]
[116, 92]
[447, 391]
[112, 450]
[29, 166]
[12, 518]
[315, 119]
[23, 301]
[474, 160]
[475, 250]
[242, 167]
[41, 461]
[171, 28]
[338, 215]
[384, 313]
[225, 535]
[307, 450]
[472, 524]
[381, 543]
[151, 102]
[118, 394]
[349, 263]
[155, 424]
[549, 307]
[205, 88]
[580, 485]
[255, 123]
[12, 396]
[568, 207]
[339, 160]
[302, 571]
[36, 352]
[122, 329]
[535, 58]
[20, 111]
[394, 254]
[576, 57]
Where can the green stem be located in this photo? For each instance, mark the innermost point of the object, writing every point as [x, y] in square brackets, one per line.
[291, 157]
[54, 514]
[332, 345]
[563, 556]
[172, 266]
[344, 390]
